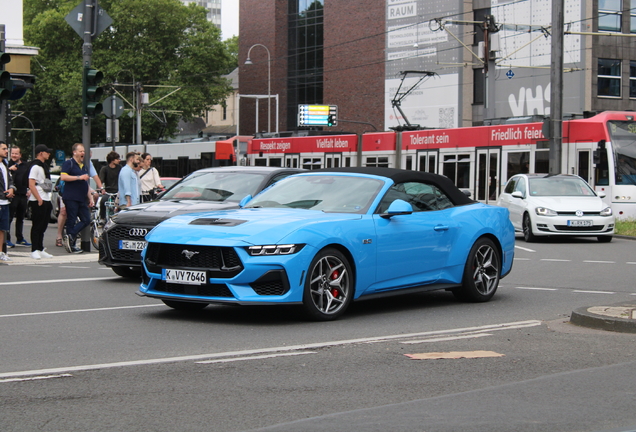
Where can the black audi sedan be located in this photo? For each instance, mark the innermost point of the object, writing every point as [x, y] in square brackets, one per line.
[207, 189]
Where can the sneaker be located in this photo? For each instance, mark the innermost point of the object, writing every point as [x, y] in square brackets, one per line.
[10, 245]
[69, 241]
[4, 257]
[35, 255]
[45, 254]
[76, 250]
[23, 242]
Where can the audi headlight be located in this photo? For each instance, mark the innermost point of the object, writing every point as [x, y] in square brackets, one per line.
[542, 211]
[286, 249]
[607, 211]
[109, 224]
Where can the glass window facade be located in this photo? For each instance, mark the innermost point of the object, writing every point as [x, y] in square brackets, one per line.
[305, 64]
[609, 15]
[609, 77]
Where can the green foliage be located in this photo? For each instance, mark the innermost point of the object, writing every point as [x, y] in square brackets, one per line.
[162, 44]
[626, 227]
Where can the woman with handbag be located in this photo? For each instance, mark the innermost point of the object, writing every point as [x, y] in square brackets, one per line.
[149, 179]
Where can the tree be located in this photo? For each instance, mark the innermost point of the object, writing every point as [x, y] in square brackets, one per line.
[162, 44]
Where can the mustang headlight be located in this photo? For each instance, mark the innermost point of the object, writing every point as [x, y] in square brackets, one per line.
[286, 249]
[542, 211]
[607, 211]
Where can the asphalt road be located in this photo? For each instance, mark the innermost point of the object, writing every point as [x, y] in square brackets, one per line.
[79, 351]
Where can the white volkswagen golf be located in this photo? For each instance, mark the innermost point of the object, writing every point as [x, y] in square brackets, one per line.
[551, 205]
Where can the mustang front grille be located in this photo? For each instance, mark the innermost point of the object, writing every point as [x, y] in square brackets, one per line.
[221, 262]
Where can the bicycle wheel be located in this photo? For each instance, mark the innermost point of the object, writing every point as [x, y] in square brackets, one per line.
[96, 232]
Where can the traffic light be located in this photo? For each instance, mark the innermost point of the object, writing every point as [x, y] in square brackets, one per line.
[92, 93]
[331, 120]
[5, 77]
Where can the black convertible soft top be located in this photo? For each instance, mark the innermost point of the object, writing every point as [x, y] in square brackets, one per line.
[401, 176]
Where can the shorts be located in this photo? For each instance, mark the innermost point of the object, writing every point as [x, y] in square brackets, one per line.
[4, 217]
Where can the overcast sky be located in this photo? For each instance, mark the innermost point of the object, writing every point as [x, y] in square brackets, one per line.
[229, 18]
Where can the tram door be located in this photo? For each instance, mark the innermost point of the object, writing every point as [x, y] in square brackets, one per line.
[427, 161]
[292, 160]
[583, 164]
[333, 160]
[488, 175]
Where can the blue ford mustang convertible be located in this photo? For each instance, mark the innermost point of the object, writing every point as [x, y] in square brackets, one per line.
[326, 238]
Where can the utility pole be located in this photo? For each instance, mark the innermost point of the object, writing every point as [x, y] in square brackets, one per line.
[87, 52]
[556, 82]
[4, 117]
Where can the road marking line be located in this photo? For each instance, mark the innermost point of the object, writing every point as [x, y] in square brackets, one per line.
[522, 259]
[58, 280]
[77, 310]
[537, 288]
[69, 369]
[233, 359]
[36, 378]
[631, 263]
[593, 292]
[599, 262]
[554, 260]
[74, 267]
[445, 339]
[525, 249]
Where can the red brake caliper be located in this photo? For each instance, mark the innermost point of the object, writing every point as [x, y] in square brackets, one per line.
[334, 275]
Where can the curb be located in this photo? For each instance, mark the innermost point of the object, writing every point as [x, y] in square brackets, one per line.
[620, 317]
[24, 258]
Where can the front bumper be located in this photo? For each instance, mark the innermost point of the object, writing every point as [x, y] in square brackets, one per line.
[110, 253]
[275, 279]
[564, 225]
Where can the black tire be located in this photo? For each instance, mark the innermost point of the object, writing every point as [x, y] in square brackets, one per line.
[329, 286]
[481, 273]
[604, 239]
[184, 306]
[528, 236]
[127, 272]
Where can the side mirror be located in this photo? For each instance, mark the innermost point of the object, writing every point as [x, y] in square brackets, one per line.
[517, 194]
[601, 194]
[467, 192]
[244, 201]
[397, 207]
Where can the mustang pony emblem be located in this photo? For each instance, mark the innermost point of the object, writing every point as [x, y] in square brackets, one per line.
[189, 254]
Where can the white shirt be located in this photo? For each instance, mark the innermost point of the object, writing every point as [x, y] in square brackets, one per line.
[150, 180]
[5, 176]
[37, 173]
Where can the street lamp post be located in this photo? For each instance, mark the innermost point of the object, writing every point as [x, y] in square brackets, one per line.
[269, 82]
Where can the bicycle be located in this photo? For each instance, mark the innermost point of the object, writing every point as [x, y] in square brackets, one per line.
[97, 226]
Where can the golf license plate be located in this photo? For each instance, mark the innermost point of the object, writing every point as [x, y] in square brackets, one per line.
[580, 223]
[186, 277]
[135, 245]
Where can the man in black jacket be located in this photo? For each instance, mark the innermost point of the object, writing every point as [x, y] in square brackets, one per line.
[19, 169]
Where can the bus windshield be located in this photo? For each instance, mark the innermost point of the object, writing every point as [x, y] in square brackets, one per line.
[623, 135]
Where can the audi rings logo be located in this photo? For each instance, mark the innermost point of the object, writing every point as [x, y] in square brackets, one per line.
[579, 213]
[137, 232]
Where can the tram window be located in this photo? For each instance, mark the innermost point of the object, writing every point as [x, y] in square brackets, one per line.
[542, 162]
[260, 162]
[457, 168]
[276, 162]
[518, 163]
[311, 163]
[347, 162]
[379, 162]
[409, 163]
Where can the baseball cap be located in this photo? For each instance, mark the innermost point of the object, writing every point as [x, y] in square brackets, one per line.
[42, 148]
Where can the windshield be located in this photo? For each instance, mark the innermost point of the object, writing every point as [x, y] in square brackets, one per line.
[623, 135]
[328, 193]
[216, 186]
[559, 186]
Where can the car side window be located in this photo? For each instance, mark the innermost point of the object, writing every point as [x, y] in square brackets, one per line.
[278, 177]
[421, 196]
[521, 186]
[510, 187]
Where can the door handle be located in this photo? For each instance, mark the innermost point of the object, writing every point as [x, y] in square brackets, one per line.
[441, 228]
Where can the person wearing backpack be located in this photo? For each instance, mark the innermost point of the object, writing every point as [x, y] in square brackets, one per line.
[40, 200]
[75, 175]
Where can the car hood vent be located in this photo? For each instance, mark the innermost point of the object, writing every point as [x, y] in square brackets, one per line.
[218, 221]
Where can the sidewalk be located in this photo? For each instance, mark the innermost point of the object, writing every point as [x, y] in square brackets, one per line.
[21, 255]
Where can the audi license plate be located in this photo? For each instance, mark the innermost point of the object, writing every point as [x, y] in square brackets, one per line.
[135, 245]
[580, 223]
[187, 277]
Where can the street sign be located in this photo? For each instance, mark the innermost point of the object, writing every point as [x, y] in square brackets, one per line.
[60, 156]
[75, 19]
[113, 107]
[317, 115]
